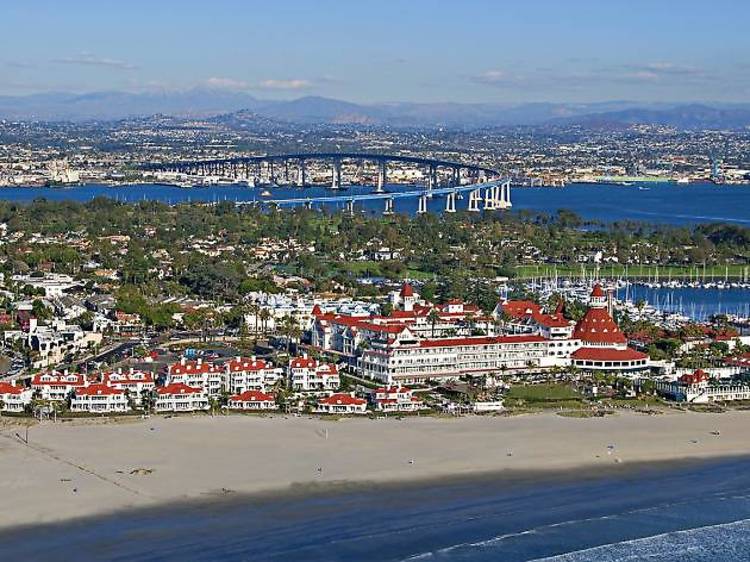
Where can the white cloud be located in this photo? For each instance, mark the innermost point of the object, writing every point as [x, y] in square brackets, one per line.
[89, 59]
[293, 84]
[492, 77]
[226, 84]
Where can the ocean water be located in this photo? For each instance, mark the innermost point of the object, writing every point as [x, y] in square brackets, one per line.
[659, 202]
[695, 512]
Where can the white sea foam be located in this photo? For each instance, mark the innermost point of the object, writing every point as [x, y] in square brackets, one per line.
[714, 543]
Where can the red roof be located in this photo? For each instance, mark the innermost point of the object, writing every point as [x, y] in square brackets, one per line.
[694, 378]
[551, 320]
[406, 290]
[99, 389]
[598, 291]
[191, 367]
[342, 399]
[521, 308]
[608, 354]
[8, 388]
[480, 340]
[597, 326]
[126, 378]
[392, 389]
[48, 379]
[303, 363]
[316, 311]
[246, 364]
[177, 388]
[253, 396]
[739, 361]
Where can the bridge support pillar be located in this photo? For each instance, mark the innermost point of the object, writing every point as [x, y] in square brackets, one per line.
[388, 206]
[456, 177]
[350, 207]
[475, 197]
[450, 202]
[431, 179]
[336, 174]
[301, 179]
[382, 174]
[422, 209]
[489, 199]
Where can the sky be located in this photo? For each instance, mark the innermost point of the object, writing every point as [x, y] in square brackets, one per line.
[386, 50]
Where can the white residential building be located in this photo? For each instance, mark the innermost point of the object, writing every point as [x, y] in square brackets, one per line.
[307, 374]
[396, 399]
[57, 386]
[14, 398]
[243, 373]
[178, 397]
[197, 374]
[135, 383]
[252, 400]
[341, 404]
[696, 388]
[99, 399]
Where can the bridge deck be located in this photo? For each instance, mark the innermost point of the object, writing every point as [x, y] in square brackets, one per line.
[322, 156]
[369, 196]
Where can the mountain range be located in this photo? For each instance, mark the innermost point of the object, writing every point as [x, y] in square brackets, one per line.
[204, 102]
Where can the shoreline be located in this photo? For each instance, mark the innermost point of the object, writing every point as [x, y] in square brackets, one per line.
[342, 489]
[74, 472]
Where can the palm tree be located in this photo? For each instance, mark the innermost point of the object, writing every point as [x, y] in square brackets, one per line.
[290, 329]
[254, 309]
[265, 316]
[433, 316]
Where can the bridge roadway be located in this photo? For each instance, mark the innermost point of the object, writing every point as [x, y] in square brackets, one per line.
[371, 196]
[320, 156]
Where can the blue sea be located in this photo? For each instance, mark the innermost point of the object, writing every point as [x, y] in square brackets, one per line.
[669, 513]
[667, 203]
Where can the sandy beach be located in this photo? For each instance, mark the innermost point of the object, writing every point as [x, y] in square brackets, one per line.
[81, 468]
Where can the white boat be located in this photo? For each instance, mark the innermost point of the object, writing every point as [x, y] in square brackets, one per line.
[265, 193]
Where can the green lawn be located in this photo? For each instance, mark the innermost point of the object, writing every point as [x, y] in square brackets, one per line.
[543, 396]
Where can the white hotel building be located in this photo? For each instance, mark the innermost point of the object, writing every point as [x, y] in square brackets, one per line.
[407, 348]
[407, 359]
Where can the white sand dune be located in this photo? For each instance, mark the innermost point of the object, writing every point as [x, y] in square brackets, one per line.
[81, 469]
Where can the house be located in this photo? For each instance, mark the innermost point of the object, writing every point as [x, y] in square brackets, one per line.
[99, 398]
[197, 374]
[698, 388]
[14, 398]
[57, 386]
[396, 399]
[135, 383]
[307, 374]
[178, 397]
[341, 403]
[252, 400]
[243, 373]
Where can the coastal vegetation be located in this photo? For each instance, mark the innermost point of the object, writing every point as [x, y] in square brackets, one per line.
[149, 252]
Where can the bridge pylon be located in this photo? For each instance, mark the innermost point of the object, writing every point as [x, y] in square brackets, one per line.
[422, 208]
[382, 175]
[450, 202]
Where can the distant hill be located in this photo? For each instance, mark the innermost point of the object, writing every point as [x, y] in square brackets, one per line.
[693, 116]
[207, 102]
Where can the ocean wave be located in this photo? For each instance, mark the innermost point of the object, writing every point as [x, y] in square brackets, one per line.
[487, 544]
[714, 543]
